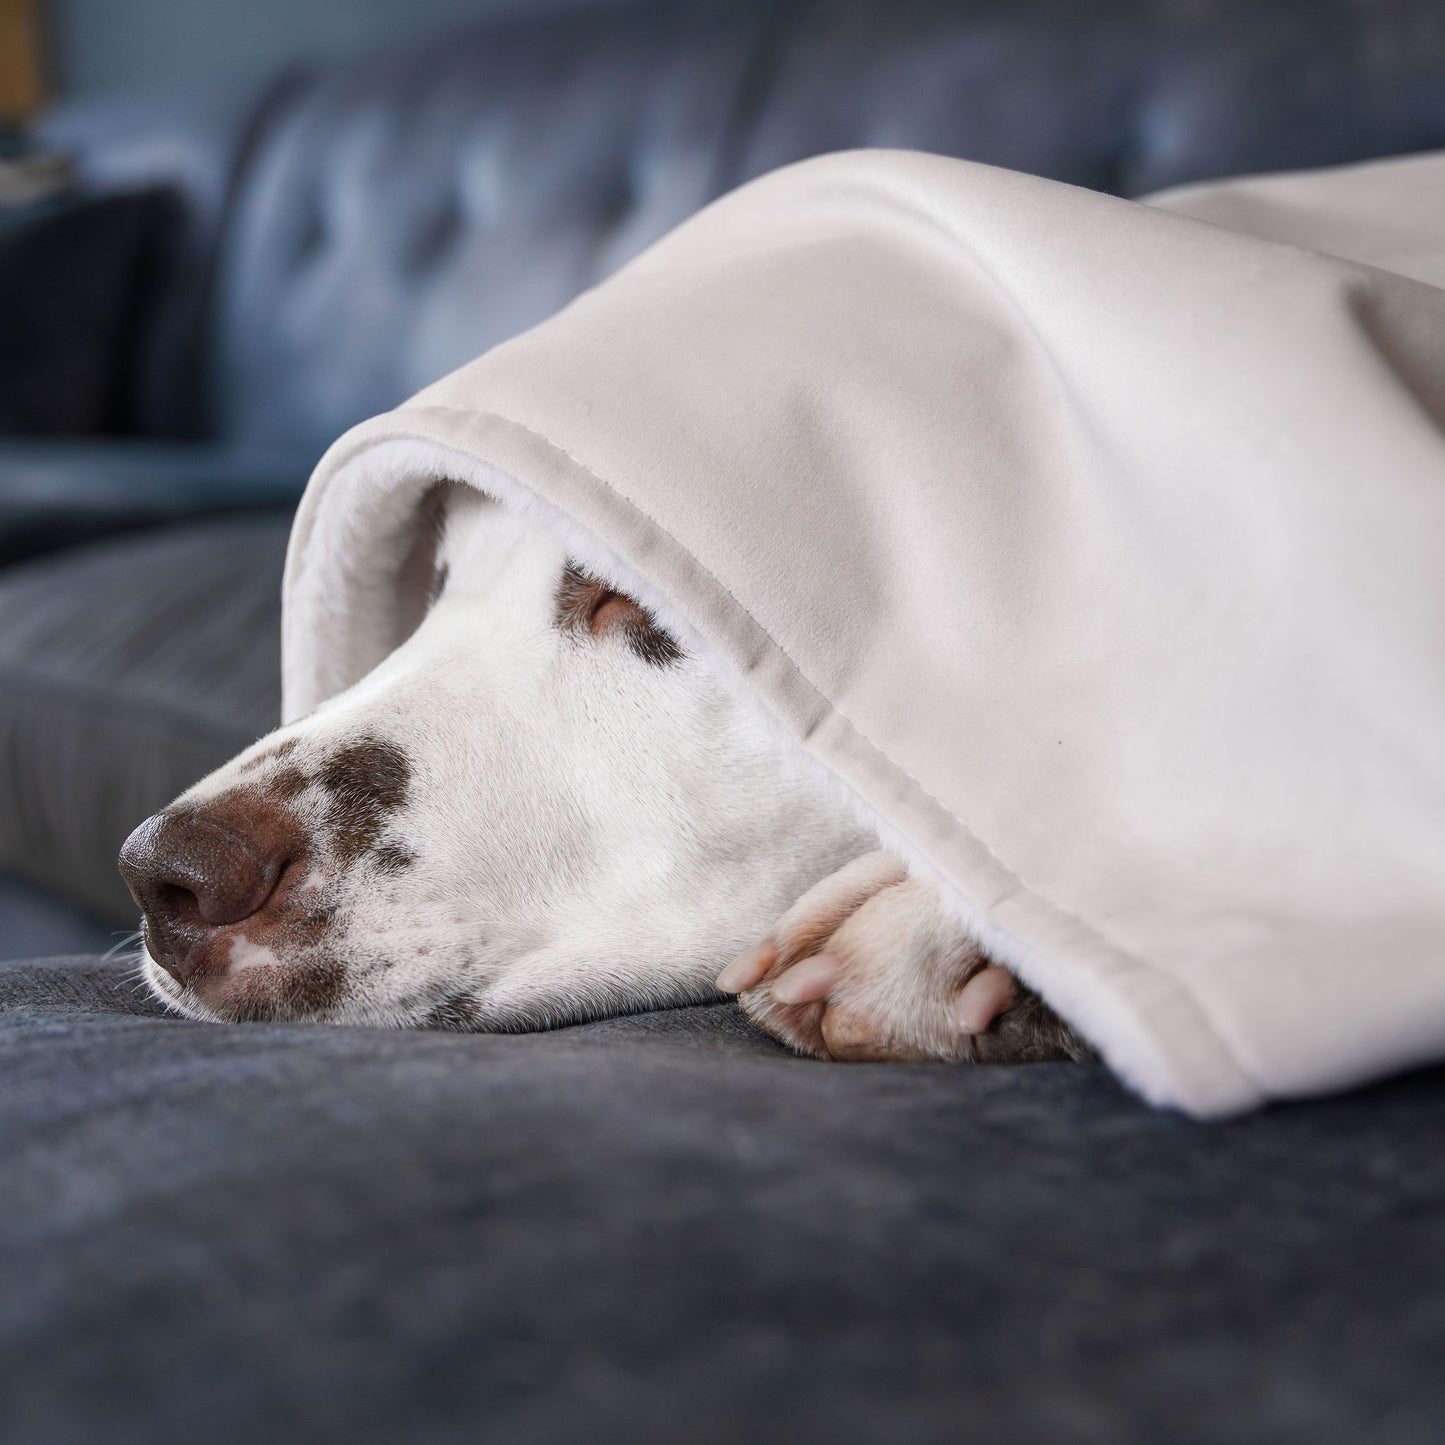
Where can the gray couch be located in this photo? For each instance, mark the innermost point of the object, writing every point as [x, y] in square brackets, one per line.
[345, 235]
[657, 1228]
[663, 1229]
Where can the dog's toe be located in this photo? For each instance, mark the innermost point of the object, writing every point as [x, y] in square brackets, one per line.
[812, 979]
[870, 965]
[748, 969]
[983, 998]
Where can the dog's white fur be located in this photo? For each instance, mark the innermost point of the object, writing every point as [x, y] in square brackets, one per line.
[588, 832]
[537, 810]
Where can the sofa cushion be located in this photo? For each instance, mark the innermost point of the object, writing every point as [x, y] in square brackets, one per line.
[57, 493]
[35, 922]
[1125, 95]
[128, 670]
[68, 272]
[664, 1228]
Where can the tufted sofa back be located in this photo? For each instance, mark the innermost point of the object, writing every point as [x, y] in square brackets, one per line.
[1126, 96]
[394, 217]
[406, 213]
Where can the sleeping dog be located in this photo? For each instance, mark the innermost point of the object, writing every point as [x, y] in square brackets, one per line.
[538, 810]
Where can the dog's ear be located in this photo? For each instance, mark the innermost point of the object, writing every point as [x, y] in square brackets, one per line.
[587, 606]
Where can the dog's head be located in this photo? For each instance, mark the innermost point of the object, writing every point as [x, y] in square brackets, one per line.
[537, 809]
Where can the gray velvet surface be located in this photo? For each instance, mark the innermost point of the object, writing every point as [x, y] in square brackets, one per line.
[56, 494]
[662, 1228]
[36, 922]
[128, 670]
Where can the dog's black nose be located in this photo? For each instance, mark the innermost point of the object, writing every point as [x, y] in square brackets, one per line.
[193, 873]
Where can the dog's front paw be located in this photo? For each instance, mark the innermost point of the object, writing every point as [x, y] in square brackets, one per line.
[868, 964]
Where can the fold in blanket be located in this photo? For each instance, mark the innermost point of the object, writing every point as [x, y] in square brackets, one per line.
[1093, 548]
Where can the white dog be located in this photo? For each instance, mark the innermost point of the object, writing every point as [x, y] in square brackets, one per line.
[539, 810]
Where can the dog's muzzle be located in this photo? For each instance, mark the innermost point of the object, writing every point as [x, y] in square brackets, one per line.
[198, 871]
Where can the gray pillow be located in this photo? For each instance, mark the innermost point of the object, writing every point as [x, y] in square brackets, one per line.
[129, 669]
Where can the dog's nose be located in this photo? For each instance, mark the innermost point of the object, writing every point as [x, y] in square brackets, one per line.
[192, 873]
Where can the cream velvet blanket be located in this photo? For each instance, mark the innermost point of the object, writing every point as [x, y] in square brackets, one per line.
[1096, 548]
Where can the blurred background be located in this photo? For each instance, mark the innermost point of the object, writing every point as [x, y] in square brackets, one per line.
[228, 231]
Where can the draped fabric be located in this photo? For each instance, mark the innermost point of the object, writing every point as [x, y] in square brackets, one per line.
[1092, 547]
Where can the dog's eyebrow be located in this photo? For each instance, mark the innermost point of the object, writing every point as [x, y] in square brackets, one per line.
[578, 604]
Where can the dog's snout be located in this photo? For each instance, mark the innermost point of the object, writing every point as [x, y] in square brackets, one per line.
[178, 863]
[192, 873]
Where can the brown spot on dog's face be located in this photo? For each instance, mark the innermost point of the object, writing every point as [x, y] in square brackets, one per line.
[264, 959]
[368, 782]
[287, 784]
[299, 828]
[587, 605]
[299, 990]
[458, 1015]
[274, 753]
[310, 927]
[391, 858]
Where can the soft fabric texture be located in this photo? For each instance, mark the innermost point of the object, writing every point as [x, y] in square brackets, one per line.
[1092, 547]
[664, 1228]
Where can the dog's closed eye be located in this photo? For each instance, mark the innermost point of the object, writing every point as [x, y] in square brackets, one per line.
[588, 606]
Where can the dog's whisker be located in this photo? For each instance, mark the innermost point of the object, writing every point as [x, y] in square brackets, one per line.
[126, 941]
